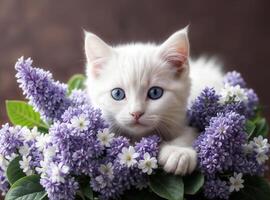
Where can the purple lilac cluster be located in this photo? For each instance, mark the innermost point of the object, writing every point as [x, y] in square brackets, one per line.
[48, 97]
[78, 143]
[223, 143]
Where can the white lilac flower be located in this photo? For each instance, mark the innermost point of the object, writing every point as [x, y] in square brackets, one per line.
[261, 144]
[31, 135]
[233, 93]
[25, 165]
[11, 157]
[261, 158]
[128, 156]
[107, 170]
[148, 164]
[3, 162]
[236, 182]
[105, 137]
[44, 166]
[49, 153]
[42, 141]
[24, 150]
[80, 122]
[248, 148]
[58, 172]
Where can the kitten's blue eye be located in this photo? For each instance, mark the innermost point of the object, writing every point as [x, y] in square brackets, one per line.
[155, 93]
[118, 94]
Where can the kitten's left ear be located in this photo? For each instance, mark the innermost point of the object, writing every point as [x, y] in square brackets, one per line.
[175, 49]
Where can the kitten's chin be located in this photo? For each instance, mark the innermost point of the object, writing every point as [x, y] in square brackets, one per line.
[137, 130]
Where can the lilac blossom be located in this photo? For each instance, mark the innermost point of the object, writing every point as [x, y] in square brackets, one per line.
[216, 189]
[221, 142]
[234, 78]
[47, 96]
[205, 106]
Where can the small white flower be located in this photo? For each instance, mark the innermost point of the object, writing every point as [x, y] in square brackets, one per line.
[128, 156]
[235, 93]
[261, 145]
[49, 153]
[248, 148]
[58, 172]
[107, 170]
[102, 183]
[148, 164]
[236, 182]
[12, 157]
[105, 137]
[80, 122]
[44, 166]
[42, 141]
[25, 165]
[3, 162]
[31, 135]
[24, 150]
[261, 158]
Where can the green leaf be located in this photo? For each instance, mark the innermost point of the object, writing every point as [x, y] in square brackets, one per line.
[76, 82]
[250, 128]
[135, 194]
[193, 182]
[14, 172]
[255, 188]
[262, 128]
[26, 188]
[88, 192]
[21, 113]
[168, 186]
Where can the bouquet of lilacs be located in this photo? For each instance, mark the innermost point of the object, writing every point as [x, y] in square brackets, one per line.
[60, 148]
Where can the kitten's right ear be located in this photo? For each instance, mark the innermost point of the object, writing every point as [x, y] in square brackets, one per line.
[96, 51]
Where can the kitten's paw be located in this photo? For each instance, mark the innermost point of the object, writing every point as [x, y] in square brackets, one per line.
[177, 160]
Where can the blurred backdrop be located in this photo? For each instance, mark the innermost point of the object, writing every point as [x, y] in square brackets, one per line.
[51, 32]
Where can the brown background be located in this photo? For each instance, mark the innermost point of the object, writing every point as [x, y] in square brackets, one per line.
[51, 33]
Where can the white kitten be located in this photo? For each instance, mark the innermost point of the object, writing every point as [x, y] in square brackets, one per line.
[144, 88]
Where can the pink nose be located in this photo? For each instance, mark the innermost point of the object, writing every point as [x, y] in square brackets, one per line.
[136, 115]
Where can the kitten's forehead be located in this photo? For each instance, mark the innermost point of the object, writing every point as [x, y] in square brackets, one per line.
[138, 64]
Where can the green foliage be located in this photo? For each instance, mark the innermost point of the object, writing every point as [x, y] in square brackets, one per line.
[262, 127]
[21, 113]
[141, 195]
[250, 127]
[14, 172]
[257, 127]
[167, 186]
[76, 82]
[26, 188]
[87, 192]
[193, 183]
[256, 188]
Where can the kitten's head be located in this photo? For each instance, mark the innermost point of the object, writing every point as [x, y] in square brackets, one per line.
[140, 88]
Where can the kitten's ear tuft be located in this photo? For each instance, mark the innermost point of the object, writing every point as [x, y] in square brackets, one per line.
[96, 51]
[176, 49]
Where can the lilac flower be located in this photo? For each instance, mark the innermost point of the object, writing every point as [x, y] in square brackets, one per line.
[10, 139]
[47, 96]
[4, 185]
[58, 184]
[221, 142]
[148, 145]
[216, 189]
[252, 103]
[234, 78]
[79, 98]
[204, 108]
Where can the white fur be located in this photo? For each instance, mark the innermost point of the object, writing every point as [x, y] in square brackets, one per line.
[138, 67]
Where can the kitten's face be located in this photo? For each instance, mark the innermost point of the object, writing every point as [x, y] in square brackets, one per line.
[140, 88]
